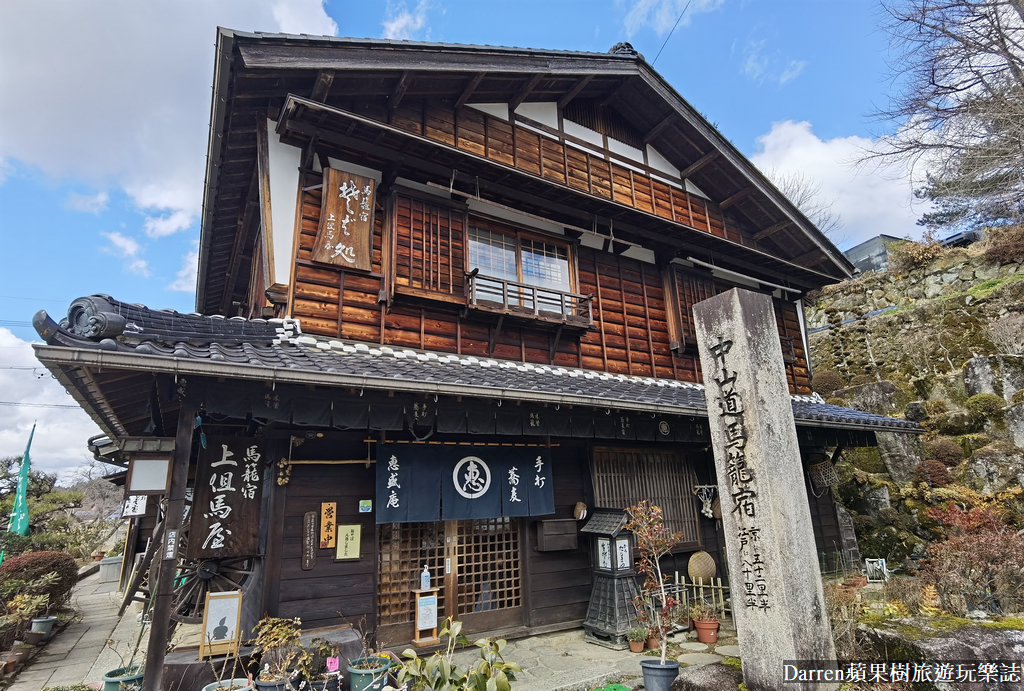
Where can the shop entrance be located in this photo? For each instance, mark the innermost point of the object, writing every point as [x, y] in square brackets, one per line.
[475, 564]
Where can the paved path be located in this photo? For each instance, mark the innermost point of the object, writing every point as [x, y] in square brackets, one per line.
[73, 652]
[561, 661]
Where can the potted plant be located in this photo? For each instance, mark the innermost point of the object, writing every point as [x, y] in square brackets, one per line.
[317, 667]
[277, 641]
[653, 541]
[369, 671]
[439, 671]
[226, 680]
[637, 636]
[127, 677]
[705, 619]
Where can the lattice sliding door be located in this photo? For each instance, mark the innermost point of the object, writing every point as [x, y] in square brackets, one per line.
[487, 553]
[474, 564]
[404, 549]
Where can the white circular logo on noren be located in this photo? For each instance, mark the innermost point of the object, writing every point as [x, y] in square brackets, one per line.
[472, 477]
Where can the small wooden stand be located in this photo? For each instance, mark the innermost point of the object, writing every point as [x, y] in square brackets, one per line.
[426, 618]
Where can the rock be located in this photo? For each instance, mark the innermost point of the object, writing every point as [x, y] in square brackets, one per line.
[977, 614]
[878, 498]
[978, 376]
[900, 453]
[874, 397]
[995, 466]
[958, 422]
[694, 659]
[1014, 418]
[707, 678]
[915, 411]
[916, 639]
[728, 650]
[1011, 374]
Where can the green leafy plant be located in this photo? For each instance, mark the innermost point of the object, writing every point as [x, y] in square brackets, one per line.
[702, 611]
[490, 673]
[637, 634]
[653, 541]
[278, 642]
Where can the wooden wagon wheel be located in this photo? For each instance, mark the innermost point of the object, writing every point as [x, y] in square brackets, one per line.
[195, 578]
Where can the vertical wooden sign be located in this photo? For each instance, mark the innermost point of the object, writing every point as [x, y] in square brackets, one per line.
[309, 543]
[328, 524]
[226, 513]
[345, 235]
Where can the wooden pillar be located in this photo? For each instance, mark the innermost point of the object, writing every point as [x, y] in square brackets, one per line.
[777, 598]
[165, 562]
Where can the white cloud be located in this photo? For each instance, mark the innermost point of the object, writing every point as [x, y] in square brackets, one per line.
[661, 15]
[93, 204]
[125, 96]
[303, 17]
[129, 248]
[763, 65]
[869, 201]
[792, 71]
[403, 24]
[168, 224]
[185, 281]
[31, 395]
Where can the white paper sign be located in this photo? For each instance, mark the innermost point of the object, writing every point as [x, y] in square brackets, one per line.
[134, 505]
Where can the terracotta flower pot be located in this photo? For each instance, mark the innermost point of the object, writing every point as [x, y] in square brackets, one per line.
[707, 631]
[653, 643]
[636, 646]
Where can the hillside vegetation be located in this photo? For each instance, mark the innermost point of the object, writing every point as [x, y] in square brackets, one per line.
[939, 339]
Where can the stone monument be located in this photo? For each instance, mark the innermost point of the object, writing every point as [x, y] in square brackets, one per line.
[777, 598]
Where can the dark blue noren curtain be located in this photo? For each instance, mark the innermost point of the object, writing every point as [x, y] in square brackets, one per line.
[470, 481]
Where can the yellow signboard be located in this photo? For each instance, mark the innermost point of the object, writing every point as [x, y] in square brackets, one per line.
[348, 542]
[328, 524]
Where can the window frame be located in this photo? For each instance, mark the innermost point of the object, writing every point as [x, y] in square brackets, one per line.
[519, 234]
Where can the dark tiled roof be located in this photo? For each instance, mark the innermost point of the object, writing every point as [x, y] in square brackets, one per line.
[265, 348]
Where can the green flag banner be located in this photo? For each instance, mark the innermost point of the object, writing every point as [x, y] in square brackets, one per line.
[19, 515]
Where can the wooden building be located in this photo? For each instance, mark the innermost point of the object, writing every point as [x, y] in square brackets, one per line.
[457, 284]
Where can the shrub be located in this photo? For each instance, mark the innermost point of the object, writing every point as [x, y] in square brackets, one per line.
[905, 590]
[827, 382]
[980, 564]
[907, 255]
[936, 406]
[1005, 244]
[35, 565]
[932, 473]
[861, 379]
[987, 405]
[836, 400]
[946, 450]
[1018, 397]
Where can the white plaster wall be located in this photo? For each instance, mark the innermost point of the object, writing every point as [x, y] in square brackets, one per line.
[284, 184]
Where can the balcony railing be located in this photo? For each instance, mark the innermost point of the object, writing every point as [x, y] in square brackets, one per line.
[522, 300]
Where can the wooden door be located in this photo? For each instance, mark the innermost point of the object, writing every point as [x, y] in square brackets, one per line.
[474, 564]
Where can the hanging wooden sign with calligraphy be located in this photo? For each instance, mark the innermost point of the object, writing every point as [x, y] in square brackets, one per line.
[328, 524]
[345, 235]
[309, 543]
[226, 506]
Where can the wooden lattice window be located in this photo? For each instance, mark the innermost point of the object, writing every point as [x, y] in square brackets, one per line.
[623, 477]
[404, 549]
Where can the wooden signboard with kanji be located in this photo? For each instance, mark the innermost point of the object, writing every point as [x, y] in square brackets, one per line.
[345, 235]
[226, 504]
[328, 524]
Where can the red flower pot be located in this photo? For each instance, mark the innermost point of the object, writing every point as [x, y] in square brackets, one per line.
[707, 631]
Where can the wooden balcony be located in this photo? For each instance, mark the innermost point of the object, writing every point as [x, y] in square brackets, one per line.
[499, 296]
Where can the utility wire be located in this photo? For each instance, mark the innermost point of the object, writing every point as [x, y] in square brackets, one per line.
[38, 405]
[678, 19]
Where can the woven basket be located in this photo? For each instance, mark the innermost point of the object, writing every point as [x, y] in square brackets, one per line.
[823, 475]
[701, 565]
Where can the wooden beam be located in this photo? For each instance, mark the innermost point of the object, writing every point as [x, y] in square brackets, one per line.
[322, 87]
[399, 93]
[660, 127]
[615, 93]
[467, 93]
[166, 560]
[737, 196]
[699, 163]
[772, 229]
[811, 254]
[574, 91]
[524, 92]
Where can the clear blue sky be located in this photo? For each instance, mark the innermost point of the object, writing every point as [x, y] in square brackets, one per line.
[103, 128]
